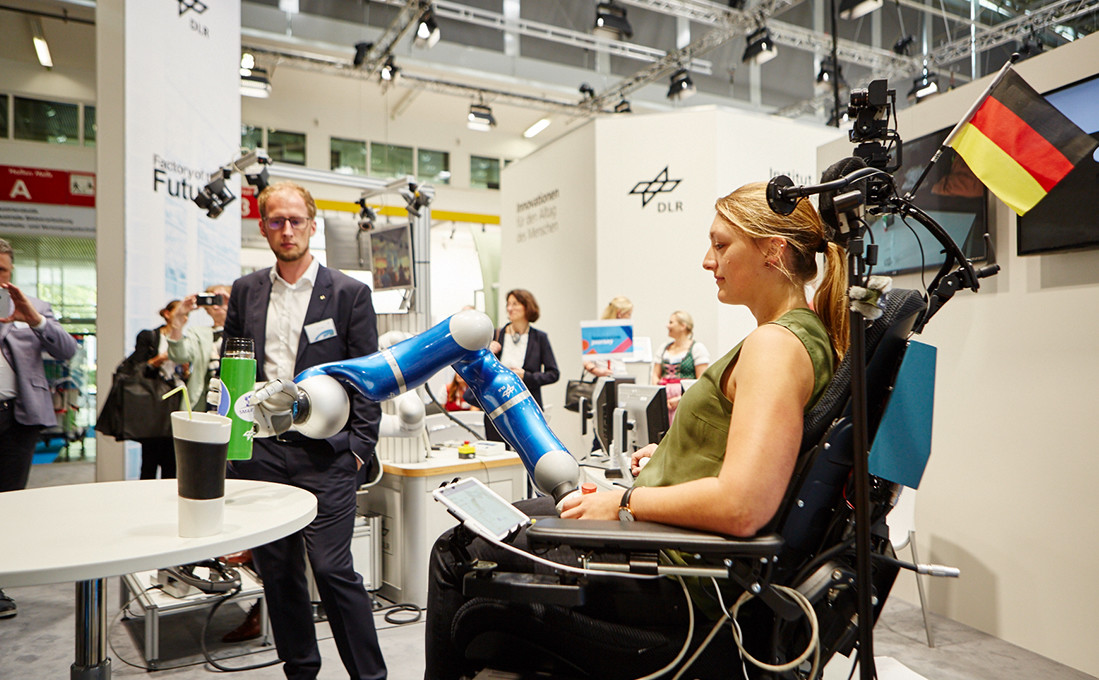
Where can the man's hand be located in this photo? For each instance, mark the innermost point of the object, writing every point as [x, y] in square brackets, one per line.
[22, 309]
[272, 407]
[600, 505]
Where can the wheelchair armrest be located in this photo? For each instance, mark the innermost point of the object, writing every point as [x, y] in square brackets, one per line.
[614, 535]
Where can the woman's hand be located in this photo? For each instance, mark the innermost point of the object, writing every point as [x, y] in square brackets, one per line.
[596, 369]
[640, 455]
[159, 359]
[495, 347]
[519, 372]
[673, 402]
[599, 505]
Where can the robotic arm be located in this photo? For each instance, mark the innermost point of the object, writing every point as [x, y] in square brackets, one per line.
[316, 403]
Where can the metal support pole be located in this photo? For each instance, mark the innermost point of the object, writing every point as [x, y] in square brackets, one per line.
[863, 575]
[91, 661]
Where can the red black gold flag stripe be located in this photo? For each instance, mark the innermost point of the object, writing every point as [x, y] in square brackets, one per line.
[1019, 144]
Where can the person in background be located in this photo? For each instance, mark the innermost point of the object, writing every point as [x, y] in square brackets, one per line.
[301, 314]
[455, 395]
[524, 349]
[723, 469]
[198, 346]
[681, 359]
[27, 328]
[619, 308]
[158, 453]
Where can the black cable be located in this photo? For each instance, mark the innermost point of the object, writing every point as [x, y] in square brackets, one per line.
[448, 415]
[206, 653]
[390, 616]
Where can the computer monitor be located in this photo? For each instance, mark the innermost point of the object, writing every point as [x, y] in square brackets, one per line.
[646, 408]
[604, 398]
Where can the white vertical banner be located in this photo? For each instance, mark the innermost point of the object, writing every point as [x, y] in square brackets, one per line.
[182, 122]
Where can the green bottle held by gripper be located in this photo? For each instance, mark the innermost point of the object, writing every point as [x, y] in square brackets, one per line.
[238, 379]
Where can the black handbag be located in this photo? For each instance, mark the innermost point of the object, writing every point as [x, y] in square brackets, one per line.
[574, 389]
[135, 408]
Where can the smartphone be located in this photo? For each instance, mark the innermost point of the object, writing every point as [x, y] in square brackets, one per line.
[481, 509]
[5, 303]
[209, 300]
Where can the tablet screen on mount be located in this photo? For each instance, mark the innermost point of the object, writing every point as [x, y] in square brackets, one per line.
[481, 507]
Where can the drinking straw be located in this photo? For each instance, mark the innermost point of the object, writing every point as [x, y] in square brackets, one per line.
[186, 399]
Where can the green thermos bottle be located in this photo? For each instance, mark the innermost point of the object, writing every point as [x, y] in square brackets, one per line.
[238, 379]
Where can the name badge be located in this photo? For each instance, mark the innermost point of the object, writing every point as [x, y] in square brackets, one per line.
[321, 330]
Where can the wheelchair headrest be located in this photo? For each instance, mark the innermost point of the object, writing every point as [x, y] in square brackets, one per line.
[890, 330]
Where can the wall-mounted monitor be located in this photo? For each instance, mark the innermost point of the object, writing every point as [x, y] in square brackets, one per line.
[951, 194]
[391, 257]
[1066, 218]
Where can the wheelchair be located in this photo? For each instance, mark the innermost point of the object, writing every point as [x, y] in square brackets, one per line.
[513, 624]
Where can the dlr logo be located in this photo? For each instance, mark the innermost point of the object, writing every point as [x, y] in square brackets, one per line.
[669, 207]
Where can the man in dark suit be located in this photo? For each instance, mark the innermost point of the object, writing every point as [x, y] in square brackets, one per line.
[26, 402]
[300, 314]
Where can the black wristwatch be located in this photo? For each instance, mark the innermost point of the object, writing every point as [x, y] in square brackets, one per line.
[625, 514]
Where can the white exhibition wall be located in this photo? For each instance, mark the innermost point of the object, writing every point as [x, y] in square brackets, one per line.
[1009, 492]
[160, 137]
[623, 206]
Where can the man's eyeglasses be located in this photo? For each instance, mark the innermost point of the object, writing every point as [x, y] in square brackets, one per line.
[296, 223]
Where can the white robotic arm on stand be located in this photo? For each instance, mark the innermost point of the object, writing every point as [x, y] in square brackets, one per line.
[316, 404]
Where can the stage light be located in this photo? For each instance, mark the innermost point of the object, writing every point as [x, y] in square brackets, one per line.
[623, 107]
[390, 72]
[260, 179]
[537, 127]
[828, 71]
[255, 83]
[361, 49]
[480, 118]
[41, 47]
[681, 87]
[427, 30]
[853, 9]
[367, 217]
[924, 86]
[611, 22]
[903, 46]
[216, 195]
[760, 48]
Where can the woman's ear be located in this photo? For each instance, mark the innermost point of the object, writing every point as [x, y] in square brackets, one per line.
[774, 248]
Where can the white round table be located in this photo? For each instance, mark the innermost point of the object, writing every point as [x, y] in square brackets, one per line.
[89, 532]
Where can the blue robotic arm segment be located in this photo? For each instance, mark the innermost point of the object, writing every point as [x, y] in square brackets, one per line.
[520, 421]
[410, 363]
[461, 341]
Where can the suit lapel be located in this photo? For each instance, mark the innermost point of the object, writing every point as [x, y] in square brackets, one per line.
[317, 311]
[257, 317]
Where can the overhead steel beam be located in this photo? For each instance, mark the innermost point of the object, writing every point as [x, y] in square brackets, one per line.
[405, 19]
[1012, 29]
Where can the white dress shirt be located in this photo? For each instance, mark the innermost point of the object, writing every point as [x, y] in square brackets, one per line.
[285, 318]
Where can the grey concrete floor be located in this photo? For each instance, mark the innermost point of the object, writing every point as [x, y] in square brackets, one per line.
[38, 643]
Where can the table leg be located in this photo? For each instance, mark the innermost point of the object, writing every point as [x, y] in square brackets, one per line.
[92, 662]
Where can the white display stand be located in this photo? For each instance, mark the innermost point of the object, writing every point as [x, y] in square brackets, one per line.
[412, 520]
[151, 604]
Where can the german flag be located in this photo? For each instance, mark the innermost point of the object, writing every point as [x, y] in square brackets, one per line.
[1018, 144]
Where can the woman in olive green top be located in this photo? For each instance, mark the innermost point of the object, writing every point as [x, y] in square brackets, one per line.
[725, 463]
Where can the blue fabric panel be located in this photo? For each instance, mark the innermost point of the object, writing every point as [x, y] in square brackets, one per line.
[903, 443]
